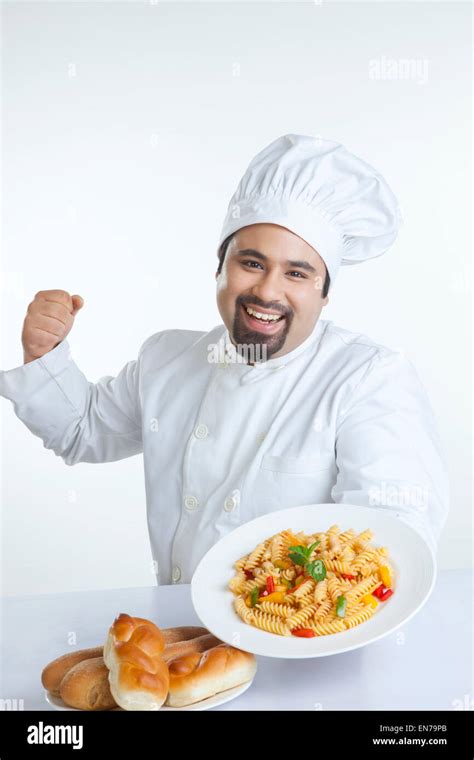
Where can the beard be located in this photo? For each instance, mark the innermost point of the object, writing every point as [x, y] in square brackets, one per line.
[260, 343]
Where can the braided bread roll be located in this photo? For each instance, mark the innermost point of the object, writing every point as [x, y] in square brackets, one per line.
[138, 675]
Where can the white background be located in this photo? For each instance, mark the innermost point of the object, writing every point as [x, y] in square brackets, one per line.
[126, 127]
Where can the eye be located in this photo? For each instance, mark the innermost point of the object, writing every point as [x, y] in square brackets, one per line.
[302, 276]
[251, 261]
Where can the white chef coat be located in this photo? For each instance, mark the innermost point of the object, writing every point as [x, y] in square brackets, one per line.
[337, 419]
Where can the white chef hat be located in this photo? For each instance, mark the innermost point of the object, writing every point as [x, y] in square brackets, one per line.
[316, 188]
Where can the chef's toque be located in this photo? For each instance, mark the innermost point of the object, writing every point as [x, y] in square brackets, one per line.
[316, 188]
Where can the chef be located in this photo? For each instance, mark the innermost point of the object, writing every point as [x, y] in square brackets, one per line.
[275, 407]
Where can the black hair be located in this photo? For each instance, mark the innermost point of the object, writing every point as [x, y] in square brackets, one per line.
[223, 250]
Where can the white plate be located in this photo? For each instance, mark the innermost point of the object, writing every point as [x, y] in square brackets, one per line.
[410, 556]
[204, 704]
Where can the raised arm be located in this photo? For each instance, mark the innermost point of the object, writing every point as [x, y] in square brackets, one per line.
[79, 420]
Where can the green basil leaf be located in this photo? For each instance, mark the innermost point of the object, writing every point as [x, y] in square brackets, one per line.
[313, 546]
[300, 549]
[298, 559]
[316, 569]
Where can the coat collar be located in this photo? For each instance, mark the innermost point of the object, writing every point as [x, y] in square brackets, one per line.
[251, 373]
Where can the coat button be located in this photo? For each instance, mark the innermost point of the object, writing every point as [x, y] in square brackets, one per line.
[191, 502]
[176, 573]
[232, 501]
[201, 431]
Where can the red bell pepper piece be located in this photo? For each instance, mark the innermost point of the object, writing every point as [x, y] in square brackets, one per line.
[382, 592]
[348, 577]
[298, 581]
[249, 575]
[305, 633]
[379, 591]
[270, 584]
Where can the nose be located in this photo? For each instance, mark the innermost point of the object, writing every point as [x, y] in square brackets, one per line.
[268, 287]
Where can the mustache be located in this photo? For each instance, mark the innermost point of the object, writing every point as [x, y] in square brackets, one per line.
[255, 301]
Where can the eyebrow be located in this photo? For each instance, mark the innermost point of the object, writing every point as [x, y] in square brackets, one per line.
[258, 255]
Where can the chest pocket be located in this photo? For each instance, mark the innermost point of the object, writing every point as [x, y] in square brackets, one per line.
[288, 481]
[297, 465]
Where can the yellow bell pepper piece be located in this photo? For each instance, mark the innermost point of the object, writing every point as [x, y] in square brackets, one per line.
[276, 596]
[369, 599]
[385, 575]
[293, 539]
[283, 564]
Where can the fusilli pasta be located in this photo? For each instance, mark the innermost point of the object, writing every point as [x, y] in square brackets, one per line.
[316, 584]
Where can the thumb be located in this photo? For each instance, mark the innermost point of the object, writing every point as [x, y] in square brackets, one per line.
[77, 303]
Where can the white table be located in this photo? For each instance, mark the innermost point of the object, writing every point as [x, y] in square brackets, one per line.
[425, 665]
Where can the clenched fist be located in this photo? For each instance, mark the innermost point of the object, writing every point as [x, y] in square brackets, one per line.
[48, 320]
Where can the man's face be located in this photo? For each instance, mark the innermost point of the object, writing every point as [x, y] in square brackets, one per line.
[272, 271]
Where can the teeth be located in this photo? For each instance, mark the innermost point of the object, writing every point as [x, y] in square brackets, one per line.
[264, 317]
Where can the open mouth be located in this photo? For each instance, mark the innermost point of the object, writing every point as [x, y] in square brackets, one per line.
[264, 322]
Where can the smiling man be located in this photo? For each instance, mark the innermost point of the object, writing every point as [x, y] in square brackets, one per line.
[275, 407]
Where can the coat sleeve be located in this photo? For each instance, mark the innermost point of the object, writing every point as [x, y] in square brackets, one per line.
[79, 420]
[388, 451]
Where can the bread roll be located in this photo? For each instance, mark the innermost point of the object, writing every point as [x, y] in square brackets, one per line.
[199, 644]
[138, 676]
[182, 633]
[197, 676]
[86, 686]
[53, 673]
